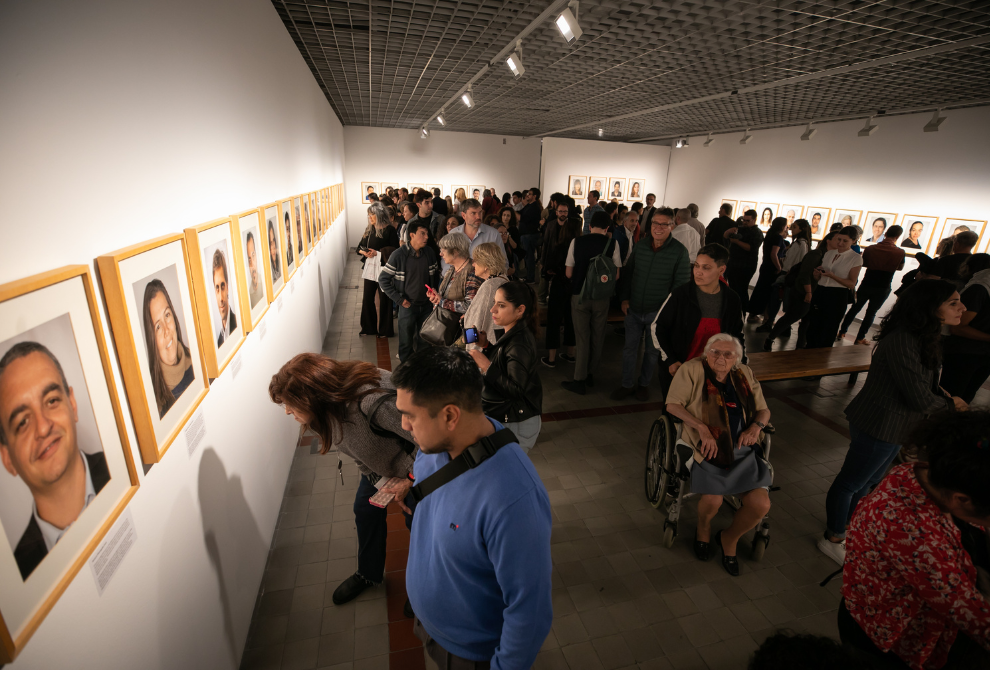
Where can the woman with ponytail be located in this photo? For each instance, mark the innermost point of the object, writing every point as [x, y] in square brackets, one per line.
[513, 393]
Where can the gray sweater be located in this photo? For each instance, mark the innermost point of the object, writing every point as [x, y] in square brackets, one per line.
[381, 455]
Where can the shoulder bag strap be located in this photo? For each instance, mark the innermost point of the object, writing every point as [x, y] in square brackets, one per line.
[473, 456]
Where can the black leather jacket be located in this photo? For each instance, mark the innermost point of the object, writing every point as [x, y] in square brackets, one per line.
[513, 391]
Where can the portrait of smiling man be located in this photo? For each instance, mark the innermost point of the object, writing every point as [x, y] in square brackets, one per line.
[39, 445]
[254, 280]
[228, 320]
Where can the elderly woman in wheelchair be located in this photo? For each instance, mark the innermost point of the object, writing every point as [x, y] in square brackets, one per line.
[724, 415]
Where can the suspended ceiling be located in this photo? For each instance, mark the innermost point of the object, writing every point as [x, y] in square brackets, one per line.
[641, 71]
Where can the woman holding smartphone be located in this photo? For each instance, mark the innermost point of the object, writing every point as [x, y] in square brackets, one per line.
[489, 266]
[513, 393]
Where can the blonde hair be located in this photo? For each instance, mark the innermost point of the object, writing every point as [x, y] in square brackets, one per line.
[491, 257]
[460, 196]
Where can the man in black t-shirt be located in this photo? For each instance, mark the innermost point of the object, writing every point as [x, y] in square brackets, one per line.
[966, 352]
[744, 252]
[715, 233]
[529, 230]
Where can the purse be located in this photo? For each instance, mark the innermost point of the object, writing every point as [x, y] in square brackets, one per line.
[442, 327]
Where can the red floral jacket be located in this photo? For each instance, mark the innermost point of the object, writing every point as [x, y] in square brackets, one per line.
[907, 580]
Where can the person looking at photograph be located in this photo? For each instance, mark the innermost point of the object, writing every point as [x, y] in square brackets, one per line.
[914, 236]
[377, 244]
[565, 230]
[490, 267]
[169, 360]
[254, 281]
[228, 320]
[774, 249]
[276, 263]
[38, 443]
[288, 241]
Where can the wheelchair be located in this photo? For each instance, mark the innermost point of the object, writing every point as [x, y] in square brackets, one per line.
[668, 478]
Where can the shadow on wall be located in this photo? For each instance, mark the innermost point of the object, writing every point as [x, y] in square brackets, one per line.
[235, 548]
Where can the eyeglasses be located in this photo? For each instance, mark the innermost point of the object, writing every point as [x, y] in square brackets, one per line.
[715, 354]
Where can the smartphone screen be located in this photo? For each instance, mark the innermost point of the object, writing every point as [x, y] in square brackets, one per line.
[470, 335]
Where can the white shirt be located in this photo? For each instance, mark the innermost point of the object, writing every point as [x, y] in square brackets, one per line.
[629, 237]
[839, 264]
[686, 234]
[795, 254]
[52, 533]
[485, 234]
[616, 255]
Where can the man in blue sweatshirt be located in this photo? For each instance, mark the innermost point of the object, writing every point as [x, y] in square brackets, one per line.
[479, 569]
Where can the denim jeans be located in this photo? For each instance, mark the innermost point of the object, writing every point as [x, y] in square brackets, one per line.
[864, 467]
[529, 243]
[372, 531]
[410, 321]
[637, 324]
[872, 298]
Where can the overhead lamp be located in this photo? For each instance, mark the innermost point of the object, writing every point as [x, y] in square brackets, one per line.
[809, 133]
[709, 141]
[424, 132]
[441, 119]
[935, 122]
[514, 61]
[567, 22]
[467, 98]
[746, 137]
[681, 143]
[601, 132]
[869, 128]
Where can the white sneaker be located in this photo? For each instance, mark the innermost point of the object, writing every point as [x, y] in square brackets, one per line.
[837, 551]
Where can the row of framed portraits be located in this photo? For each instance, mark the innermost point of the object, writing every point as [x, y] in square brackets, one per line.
[608, 188]
[179, 307]
[458, 192]
[922, 233]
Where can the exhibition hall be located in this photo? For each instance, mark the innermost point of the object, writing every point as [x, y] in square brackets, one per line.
[680, 359]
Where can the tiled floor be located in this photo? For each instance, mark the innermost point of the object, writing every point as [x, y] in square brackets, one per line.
[620, 598]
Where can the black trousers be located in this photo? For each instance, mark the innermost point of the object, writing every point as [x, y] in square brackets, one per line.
[828, 306]
[738, 280]
[964, 374]
[872, 297]
[376, 322]
[796, 309]
[559, 314]
[372, 531]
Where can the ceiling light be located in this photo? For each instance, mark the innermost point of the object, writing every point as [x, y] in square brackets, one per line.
[679, 143]
[567, 22]
[514, 61]
[709, 141]
[601, 132]
[441, 119]
[809, 133]
[869, 128]
[424, 132]
[746, 137]
[935, 122]
[467, 98]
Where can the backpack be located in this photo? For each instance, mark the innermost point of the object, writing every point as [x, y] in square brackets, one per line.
[599, 282]
[407, 446]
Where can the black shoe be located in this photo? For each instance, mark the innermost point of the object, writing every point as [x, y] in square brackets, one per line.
[576, 386]
[351, 588]
[546, 362]
[702, 549]
[407, 610]
[729, 562]
[569, 358]
[590, 380]
[768, 345]
[786, 333]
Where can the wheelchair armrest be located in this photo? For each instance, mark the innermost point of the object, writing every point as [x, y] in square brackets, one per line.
[769, 429]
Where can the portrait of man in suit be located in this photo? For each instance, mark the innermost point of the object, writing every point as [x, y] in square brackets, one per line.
[254, 280]
[228, 320]
[39, 446]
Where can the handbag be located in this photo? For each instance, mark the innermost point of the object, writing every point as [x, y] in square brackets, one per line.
[442, 327]
[372, 268]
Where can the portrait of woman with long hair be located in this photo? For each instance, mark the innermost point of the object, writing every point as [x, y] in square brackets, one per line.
[168, 356]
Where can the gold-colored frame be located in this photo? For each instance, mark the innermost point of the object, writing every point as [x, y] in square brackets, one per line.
[867, 225]
[130, 367]
[241, 271]
[9, 647]
[749, 205]
[570, 187]
[299, 233]
[364, 188]
[733, 202]
[201, 295]
[823, 226]
[906, 226]
[280, 235]
[945, 221]
[306, 203]
[286, 274]
[856, 216]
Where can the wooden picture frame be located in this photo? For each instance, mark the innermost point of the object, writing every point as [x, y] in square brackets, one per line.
[819, 231]
[601, 183]
[255, 282]
[842, 214]
[889, 219]
[924, 235]
[636, 190]
[275, 280]
[122, 274]
[731, 201]
[745, 205]
[307, 218]
[365, 186]
[764, 223]
[577, 187]
[34, 303]
[204, 242]
[480, 188]
[950, 224]
[287, 235]
[786, 210]
[618, 194]
[298, 233]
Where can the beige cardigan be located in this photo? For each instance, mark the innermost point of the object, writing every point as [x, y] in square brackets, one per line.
[687, 390]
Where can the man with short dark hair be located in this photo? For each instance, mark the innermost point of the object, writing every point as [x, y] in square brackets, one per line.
[426, 214]
[439, 205]
[744, 252]
[593, 207]
[529, 230]
[479, 569]
[715, 233]
[403, 194]
[649, 210]
[881, 261]
[404, 279]
[517, 201]
[255, 288]
[657, 265]
[476, 231]
[962, 247]
[228, 320]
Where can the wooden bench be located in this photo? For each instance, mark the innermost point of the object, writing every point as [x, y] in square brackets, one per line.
[803, 363]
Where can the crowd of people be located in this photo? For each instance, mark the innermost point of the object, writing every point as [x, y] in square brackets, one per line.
[470, 282]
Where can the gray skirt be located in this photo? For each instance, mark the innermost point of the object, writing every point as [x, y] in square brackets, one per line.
[748, 472]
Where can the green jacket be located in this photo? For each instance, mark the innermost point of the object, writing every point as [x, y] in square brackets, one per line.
[648, 276]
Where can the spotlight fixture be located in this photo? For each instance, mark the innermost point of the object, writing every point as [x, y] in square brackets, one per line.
[441, 119]
[869, 128]
[709, 141]
[935, 122]
[424, 132]
[467, 98]
[681, 143]
[746, 137]
[567, 22]
[514, 61]
[601, 132]
[809, 133]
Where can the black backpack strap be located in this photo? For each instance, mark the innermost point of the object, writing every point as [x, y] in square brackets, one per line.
[472, 457]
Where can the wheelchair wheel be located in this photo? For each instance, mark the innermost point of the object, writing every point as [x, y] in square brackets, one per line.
[759, 546]
[668, 536]
[659, 456]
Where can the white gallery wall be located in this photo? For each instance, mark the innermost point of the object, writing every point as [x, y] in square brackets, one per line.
[123, 121]
[565, 157]
[402, 158]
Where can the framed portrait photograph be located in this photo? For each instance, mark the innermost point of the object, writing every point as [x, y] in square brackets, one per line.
[636, 190]
[918, 230]
[818, 218]
[875, 224]
[577, 187]
[431, 187]
[272, 243]
[250, 263]
[458, 193]
[217, 292]
[150, 302]
[765, 212]
[394, 186]
[368, 188]
[599, 184]
[953, 226]
[300, 238]
[307, 217]
[477, 192]
[67, 465]
[846, 217]
[747, 205]
[791, 213]
[287, 235]
[616, 188]
[731, 201]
